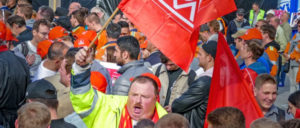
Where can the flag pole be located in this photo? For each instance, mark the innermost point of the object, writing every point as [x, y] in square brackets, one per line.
[103, 28]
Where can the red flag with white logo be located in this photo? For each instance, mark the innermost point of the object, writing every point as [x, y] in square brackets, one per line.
[173, 25]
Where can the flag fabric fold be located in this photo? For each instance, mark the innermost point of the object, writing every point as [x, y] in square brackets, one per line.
[228, 88]
[173, 25]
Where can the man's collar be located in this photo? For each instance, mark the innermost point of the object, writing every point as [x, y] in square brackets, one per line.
[272, 110]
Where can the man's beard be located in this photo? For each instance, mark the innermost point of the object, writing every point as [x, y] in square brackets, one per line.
[120, 63]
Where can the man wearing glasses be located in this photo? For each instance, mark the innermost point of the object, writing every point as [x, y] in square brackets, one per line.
[28, 49]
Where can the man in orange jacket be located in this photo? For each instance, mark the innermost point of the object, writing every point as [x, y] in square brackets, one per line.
[77, 22]
[271, 47]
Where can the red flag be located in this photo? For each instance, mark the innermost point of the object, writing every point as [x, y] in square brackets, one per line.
[173, 25]
[228, 88]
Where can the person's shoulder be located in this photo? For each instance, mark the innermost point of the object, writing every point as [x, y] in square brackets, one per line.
[60, 123]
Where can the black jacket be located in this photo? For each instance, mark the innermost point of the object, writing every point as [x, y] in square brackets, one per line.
[23, 36]
[193, 103]
[232, 28]
[14, 78]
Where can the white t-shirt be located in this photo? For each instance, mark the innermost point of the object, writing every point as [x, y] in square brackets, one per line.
[43, 72]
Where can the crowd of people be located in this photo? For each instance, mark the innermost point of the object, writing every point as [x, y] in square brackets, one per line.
[57, 70]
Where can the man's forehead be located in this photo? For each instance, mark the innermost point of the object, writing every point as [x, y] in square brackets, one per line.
[136, 85]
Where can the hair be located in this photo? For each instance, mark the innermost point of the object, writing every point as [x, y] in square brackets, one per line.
[172, 120]
[255, 3]
[3, 2]
[164, 59]
[47, 13]
[145, 123]
[215, 25]
[34, 115]
[56, 50]
[78, 5]
[298, 22]
[255, 47]
[145, 79]
[123, 24]
[6, 14]
[113, 30]
[269, 16]
[293, 123]
[270, 30]
[264, 21]
[294, 99]
[15, 19]
[264, 123]
[79, 15]
[129, 44]
[93, 17]
[226, 117]
[276, 19]
[40, 22]
[263, 79]
[70, 58]
[50, 103]
[110, 54]
[26, 9]
[25, 1]
[105, 16]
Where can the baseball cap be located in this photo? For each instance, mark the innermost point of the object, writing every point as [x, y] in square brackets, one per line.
[240, 11]
[252, 33]
[41, 89]
[239, 33]
[81, 42]
[43, 47]
[210, 47]
[57, 32]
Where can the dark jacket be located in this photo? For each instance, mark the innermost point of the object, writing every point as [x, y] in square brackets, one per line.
[232, 28]
[24, 36]
[154, 58]
[127, 71]
[14, 78]
[193, 103]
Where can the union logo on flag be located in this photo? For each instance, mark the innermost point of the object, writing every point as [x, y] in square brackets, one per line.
[182, 11]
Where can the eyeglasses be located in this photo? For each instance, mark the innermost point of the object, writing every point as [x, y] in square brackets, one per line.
[44, 33]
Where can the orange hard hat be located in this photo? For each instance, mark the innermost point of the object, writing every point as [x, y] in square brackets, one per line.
[90, 35]
[252, 33]
[81, 42]
[43, 47]
[57, 32]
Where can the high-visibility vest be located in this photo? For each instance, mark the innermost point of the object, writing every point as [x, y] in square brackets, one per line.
[260, 15]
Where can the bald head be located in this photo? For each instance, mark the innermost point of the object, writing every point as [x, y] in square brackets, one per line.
[73, 7]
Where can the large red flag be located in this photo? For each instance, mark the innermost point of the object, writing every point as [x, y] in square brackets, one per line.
[228, 88]
[173, 25]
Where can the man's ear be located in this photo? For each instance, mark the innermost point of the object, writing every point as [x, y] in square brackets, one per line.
[255, 91]
[125, 55]
[34, 32]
